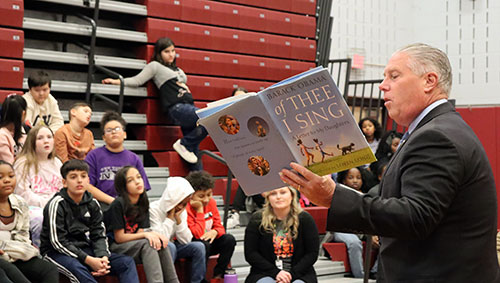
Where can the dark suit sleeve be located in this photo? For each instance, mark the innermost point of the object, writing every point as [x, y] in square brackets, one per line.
[253, 239]
[310, 240]
[422, 189]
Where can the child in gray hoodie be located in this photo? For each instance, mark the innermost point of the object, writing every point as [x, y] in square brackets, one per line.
[169, 217]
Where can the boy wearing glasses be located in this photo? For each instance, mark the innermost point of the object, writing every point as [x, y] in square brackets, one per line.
[105, 161]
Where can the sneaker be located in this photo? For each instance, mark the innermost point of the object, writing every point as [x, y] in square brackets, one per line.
[233, 220]
[184, 153]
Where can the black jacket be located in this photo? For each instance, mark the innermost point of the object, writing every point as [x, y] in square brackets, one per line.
[436, 211]
[259, 250]
[67, 224]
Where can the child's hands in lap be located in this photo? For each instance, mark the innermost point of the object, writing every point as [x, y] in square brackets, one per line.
[209, 236]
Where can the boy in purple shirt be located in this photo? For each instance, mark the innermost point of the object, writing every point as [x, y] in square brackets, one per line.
[105, 161]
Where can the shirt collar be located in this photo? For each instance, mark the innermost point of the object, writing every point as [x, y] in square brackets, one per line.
[424, 113]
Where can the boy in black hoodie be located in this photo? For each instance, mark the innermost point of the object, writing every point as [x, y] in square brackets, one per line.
[73, 235]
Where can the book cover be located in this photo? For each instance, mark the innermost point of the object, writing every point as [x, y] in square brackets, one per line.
[302, 119]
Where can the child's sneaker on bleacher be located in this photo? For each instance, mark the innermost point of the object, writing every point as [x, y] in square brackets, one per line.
[233, 220]
[184, 153]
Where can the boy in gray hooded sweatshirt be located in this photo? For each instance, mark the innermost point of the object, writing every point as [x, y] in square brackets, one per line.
[169, 217]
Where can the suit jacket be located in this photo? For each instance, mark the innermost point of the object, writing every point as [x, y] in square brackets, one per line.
[259, 250]
[436, 210]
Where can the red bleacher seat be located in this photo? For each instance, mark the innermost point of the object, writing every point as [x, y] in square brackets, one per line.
[230, 40]
[210, 88]
[163, 137]
[338, 252]
[5, 92]
[152, 108]
[11, 73]
[12, 42]
[233, 15]
[296, 6]
[320, 215]
[221, 187]
[11, 13]
[233, 65]
[178, 167]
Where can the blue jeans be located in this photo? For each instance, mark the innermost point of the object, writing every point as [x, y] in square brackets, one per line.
[195, 251]
[184, 115]
[121, 265]
[268, 279]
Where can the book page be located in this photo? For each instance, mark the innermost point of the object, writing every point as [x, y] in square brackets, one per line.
[316, 123]
[250, 143]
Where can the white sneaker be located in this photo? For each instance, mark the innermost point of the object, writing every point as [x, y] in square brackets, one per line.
[184, 153]
[233, 220]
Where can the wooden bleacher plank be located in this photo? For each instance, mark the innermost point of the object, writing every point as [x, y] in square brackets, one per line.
[163, 137]
[196, 62]
[106, 5]
[11, 73]
[81, 29]
[80, 58]
[230, 40]
[12, 43]
[307, 7]
[131, 118]
[178, 167]
[81, 87]
[11, 13]
[232, 15]
[128, 144]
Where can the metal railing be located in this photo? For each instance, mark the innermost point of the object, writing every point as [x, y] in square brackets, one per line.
[93, 67]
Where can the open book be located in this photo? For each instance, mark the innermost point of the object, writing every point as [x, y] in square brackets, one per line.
[302, 119]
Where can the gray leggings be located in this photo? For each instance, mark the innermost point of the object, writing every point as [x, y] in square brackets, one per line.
[158, 265]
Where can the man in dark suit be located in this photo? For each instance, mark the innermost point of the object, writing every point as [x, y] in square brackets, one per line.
[436, 209]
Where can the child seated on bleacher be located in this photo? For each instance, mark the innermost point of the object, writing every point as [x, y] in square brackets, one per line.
[205, 223]
[42, 106]
[38, 170]
[169, 217]
[73, 140]
[105, 161]
[73, 235]
[19, 261]
[129, 229]
[12, 135]
[175, 98]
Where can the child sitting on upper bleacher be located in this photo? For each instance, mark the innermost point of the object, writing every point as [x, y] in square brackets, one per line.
[205, 223]
[42, 106]
[105, 161]
[175, 98]
[19, 261]
[127, 222]
[12, 135]
[38, 170]
[73, 235]
[73, 140]
[169, 217]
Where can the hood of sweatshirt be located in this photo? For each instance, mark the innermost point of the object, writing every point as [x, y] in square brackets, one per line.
[176, 191]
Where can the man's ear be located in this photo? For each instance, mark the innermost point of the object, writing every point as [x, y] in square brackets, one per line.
[431, 81]
[64, 183]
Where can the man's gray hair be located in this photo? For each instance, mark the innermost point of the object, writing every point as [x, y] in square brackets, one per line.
[425, 58]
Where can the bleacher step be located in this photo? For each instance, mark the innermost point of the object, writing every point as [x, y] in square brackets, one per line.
[82, 59]
[131, 118]
[107, 5]
[130, 145]
[86, 30]
[81, 87]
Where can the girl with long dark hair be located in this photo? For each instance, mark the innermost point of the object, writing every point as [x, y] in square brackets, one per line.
[175, 97]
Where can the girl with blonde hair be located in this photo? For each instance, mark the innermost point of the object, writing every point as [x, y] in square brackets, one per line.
[281, 241]
[39, 174]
